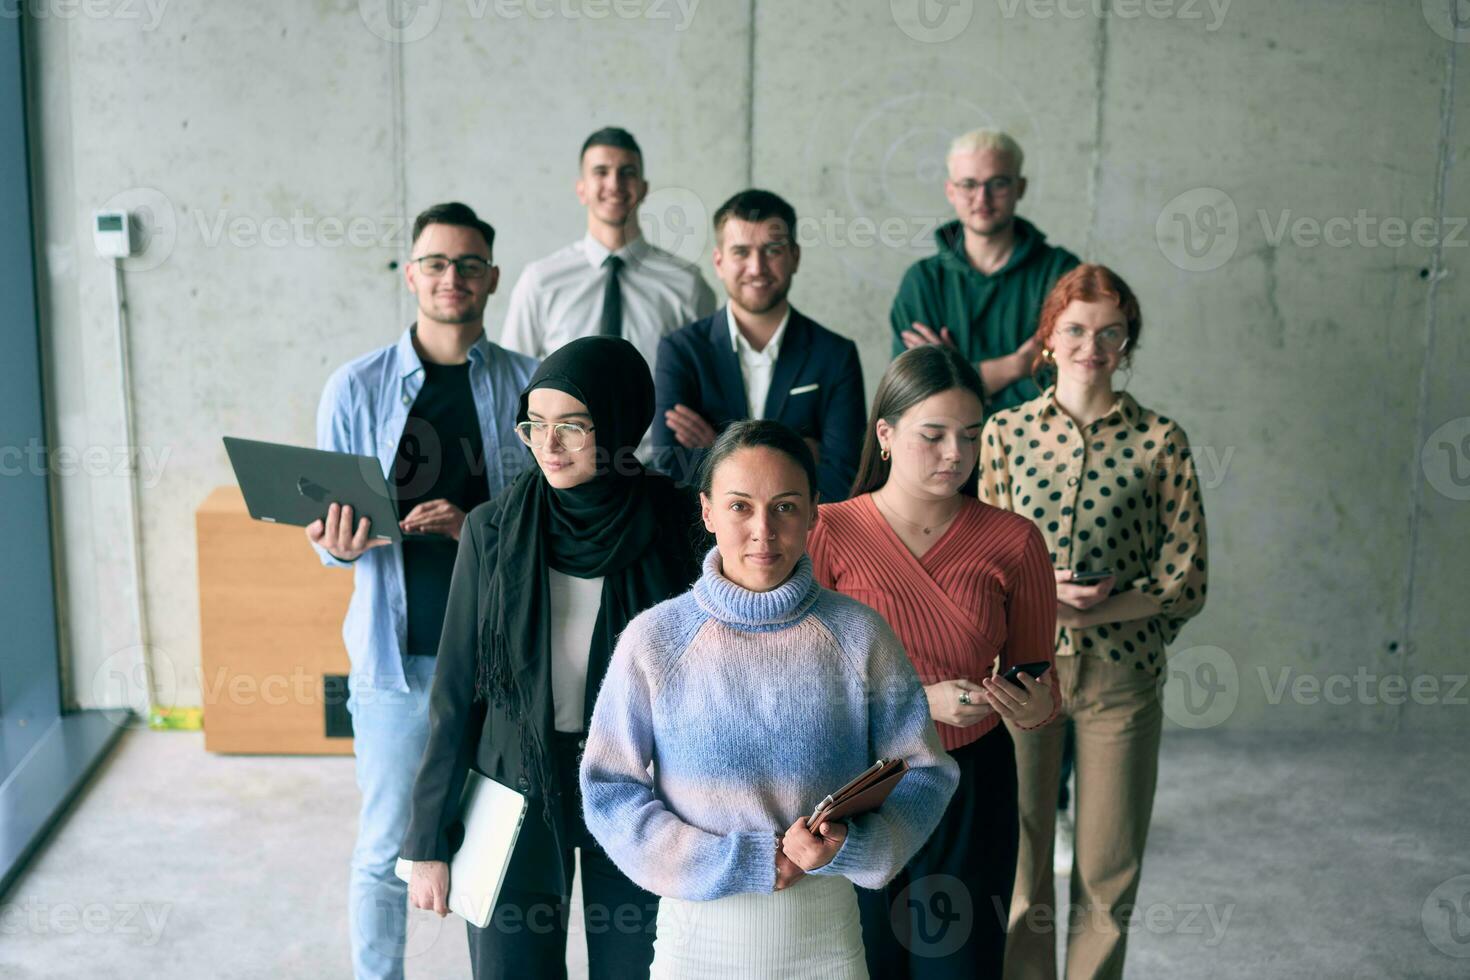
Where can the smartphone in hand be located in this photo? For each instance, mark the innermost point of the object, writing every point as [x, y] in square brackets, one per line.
[1080, 577]
[1035, 669]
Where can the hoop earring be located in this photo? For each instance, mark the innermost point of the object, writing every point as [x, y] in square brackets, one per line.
[1046, 354]
[885, 455]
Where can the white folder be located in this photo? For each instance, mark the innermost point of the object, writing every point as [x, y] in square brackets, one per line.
[492, 816]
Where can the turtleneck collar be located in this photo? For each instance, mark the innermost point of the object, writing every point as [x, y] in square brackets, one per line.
[755, 612]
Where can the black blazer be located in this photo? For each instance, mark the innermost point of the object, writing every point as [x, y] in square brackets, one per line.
[466, 733]
[816, 388]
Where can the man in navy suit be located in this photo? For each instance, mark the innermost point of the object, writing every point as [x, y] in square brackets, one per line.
[758, 357]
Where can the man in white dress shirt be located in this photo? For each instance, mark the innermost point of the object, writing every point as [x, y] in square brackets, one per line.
[612, 281]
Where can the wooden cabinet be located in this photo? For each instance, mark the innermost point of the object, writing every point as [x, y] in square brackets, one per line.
[270, 626]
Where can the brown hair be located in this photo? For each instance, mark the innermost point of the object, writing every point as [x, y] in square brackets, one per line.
[456, 214]
[758, 434]
[912, 377]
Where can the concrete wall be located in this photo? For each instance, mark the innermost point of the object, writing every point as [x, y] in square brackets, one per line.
[282, 146]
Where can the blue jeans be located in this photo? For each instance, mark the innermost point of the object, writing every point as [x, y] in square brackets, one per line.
[389, 730]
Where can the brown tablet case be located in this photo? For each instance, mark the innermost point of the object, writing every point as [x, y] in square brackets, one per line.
[864, 793]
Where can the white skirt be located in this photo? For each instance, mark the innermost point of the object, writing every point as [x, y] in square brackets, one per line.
[810, 930]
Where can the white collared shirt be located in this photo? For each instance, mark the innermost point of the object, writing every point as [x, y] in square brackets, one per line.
[559, 298]
[756, 366]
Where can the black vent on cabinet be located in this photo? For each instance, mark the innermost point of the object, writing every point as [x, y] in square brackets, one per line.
[334, 698]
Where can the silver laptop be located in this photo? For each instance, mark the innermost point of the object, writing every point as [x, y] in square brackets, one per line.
[492, 816]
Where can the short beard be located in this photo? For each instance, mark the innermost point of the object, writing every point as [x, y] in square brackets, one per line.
[776, 300]
[469, 316]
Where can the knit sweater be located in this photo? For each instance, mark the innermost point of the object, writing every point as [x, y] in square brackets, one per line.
[726, 714]
[982, 598]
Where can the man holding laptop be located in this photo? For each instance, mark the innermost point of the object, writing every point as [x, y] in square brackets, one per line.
[437, 410]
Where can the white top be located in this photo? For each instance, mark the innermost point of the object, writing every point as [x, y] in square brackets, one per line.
[575, 603]
[559, 298]
[756, 366]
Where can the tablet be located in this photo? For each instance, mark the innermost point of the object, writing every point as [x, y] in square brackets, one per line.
[294, 485]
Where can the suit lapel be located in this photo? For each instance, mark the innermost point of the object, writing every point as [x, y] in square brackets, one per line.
[795, 347]
[727, 367]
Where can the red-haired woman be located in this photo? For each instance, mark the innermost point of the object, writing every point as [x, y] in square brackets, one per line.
[1112, 487]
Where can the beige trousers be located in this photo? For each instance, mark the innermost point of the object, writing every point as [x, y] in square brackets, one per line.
[1117, 715]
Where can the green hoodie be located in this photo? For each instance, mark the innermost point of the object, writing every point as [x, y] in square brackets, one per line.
[989, 316]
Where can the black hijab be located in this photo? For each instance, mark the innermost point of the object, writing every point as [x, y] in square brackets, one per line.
[616, 526]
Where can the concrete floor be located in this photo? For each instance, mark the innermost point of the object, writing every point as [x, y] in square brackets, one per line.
[1311, 856]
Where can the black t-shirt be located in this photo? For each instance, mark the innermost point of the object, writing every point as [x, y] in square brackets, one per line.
[441, 456]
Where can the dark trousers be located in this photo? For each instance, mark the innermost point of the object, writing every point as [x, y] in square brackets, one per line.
[1069, 758]
[945, 915]
[527, 935]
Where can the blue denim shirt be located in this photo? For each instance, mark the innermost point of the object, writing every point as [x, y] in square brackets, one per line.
[363, 411]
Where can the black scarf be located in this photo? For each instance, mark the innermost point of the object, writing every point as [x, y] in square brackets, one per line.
[626, 525]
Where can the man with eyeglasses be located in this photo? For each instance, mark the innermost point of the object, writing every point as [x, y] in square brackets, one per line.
[611, 281]
[437, 409]
[982, 292]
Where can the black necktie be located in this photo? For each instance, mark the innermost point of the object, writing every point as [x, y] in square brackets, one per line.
[612, 299]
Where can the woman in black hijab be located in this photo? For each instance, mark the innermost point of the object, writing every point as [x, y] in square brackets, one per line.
[547, 575]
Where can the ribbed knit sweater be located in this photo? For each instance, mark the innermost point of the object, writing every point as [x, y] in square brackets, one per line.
[983, 592]
[726, 714]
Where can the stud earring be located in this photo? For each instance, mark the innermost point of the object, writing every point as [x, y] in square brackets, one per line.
[885, 455]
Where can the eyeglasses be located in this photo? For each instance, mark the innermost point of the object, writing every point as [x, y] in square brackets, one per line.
[1111, 339]
[995, 186]
[468, 266]
[569, 435]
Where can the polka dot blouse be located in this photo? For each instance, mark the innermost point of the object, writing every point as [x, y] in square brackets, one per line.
[1120, 494]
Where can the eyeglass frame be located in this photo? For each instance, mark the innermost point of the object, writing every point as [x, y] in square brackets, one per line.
[524, 429]
[1060, 340]
[970, 186]
[458, 264]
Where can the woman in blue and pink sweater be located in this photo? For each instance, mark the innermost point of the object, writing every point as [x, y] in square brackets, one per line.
[729, 712]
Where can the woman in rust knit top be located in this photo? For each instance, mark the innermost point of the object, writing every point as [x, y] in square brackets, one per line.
[969, 590]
